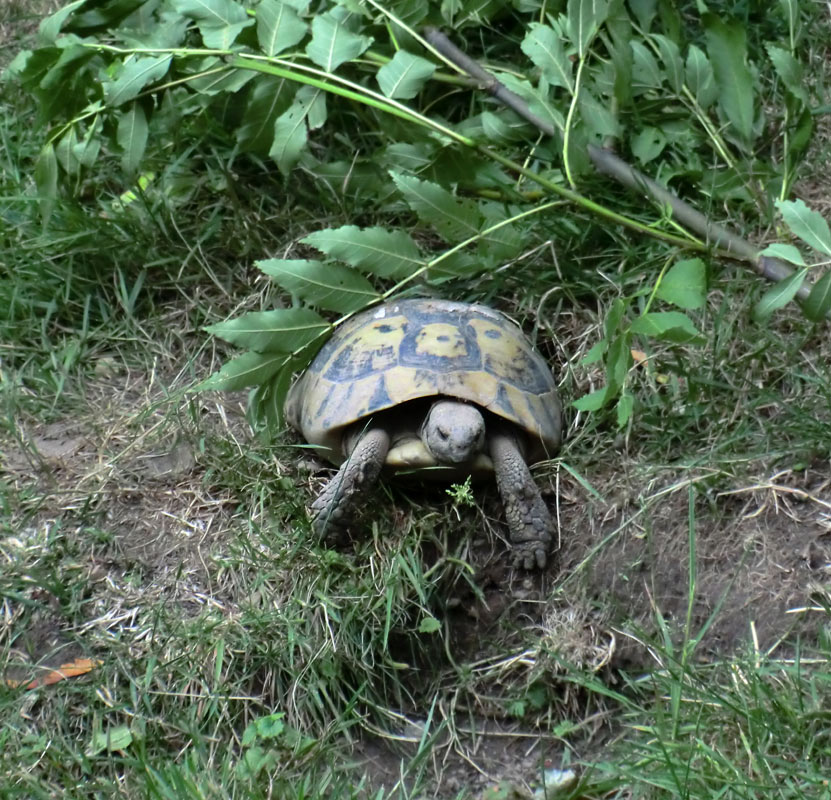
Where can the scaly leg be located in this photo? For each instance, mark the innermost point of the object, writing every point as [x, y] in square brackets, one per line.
[334, 507]
[529, 520]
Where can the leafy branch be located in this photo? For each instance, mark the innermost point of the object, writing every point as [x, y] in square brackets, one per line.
[281, 82]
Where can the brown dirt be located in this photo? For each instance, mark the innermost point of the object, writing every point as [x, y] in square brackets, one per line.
[118, 485]
[762, 565]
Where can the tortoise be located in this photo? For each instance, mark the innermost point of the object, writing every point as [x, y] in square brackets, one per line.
[440, 388]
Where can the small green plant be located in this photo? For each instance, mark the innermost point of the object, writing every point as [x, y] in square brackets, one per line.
[268, 743]
[462, 493]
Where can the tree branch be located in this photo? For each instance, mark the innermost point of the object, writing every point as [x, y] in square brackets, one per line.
[722, 239]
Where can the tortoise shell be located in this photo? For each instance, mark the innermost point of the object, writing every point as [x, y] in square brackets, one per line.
[421, 348]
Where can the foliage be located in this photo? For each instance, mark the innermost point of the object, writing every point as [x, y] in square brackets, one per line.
[683, 90]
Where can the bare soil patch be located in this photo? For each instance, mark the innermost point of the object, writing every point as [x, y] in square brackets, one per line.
[117, 490]
[761, 565]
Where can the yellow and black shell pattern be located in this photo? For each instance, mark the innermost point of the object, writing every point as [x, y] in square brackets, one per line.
[421, 348]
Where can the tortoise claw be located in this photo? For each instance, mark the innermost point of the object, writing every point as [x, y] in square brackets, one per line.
[529, 555]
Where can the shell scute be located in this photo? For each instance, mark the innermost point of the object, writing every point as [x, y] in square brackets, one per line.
[415, 349]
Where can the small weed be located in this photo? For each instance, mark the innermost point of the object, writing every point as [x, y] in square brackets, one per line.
[462, 493]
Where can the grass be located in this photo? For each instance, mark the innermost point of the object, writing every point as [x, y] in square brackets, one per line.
[144, 528]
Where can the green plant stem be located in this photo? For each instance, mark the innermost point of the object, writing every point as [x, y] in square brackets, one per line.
[572, 107]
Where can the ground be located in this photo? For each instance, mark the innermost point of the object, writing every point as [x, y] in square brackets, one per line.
[124, 489]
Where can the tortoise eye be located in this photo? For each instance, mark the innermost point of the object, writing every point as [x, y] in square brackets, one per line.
[443, 434]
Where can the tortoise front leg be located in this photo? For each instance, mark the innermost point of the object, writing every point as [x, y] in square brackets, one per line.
[529, 520]
[334, 507]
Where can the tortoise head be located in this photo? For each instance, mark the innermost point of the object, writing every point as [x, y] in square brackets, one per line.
[454, 432]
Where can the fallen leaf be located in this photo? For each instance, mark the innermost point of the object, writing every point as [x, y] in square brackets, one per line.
[80, 666]
[639, 357]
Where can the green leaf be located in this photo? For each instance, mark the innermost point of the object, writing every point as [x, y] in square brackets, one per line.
[779, 295]
[502, 127]
[542, 104]
[410, 12]
[646, 73]
[132, 137]
[86, 151]
[68, 66]
[46, 180]
[454, 219]
[595, 353]
[625, 407]
[278, 26]
[785, 252]
[619, 27]
[648, 144]
[220, 77]
[332, 43]
[585, 18]
[404, 76]
[593, 401]
[645, 11]
[790, 71]
[254, 760]
[807, 224]
[266, 402]
[540, 101]
[137, 72]
[290, 135]
[614, 316]
[388, 254]
[727, 48]
[328, 286]
[110, 740]
[315, 100]
[249, 369]
[618, 363]
[671, 56]
[429, 625]
[501, 244]
[801, 134]
[219, 21]
[49, 29]
[102, 15]
[672, 326]
[65, 152]
[455, 265]
[818, 305]
[597, 117]
[169, 29]
[31, 67]
[268, 99]
[685, 284]
[283, 330]
[699, 77]
[270, 726]
[545, 49]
